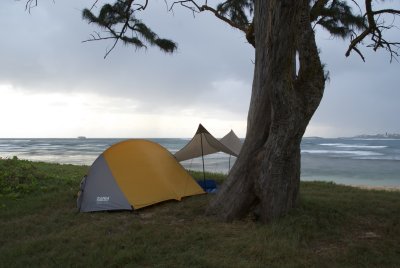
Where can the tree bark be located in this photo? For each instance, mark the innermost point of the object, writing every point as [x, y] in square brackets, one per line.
[266, 175]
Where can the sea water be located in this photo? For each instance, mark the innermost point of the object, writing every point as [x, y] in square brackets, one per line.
[374, 162]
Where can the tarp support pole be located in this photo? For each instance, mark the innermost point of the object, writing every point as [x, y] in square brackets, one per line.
[202, 157]
[229, 163]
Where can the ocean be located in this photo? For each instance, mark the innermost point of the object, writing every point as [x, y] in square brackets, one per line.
[351, 161]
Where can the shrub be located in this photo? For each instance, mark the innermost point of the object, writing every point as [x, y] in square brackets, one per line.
[18, 177]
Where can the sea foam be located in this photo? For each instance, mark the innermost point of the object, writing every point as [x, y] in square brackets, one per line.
[356, 153]
[360, 146]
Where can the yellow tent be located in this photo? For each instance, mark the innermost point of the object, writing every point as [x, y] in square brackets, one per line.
[134, 174]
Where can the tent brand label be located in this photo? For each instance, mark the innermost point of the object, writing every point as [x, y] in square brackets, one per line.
[103, 198]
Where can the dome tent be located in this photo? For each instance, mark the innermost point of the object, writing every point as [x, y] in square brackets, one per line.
[134, 174]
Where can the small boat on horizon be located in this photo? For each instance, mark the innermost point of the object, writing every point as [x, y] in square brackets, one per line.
[81, 137]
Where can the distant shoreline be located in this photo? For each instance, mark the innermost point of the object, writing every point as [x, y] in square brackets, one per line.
[378, 136]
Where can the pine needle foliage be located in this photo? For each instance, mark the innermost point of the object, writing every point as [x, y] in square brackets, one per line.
[238, 11]
[119, 22]
[337, 17]
[118, 19]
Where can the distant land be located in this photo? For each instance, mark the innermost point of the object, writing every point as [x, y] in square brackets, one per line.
[365, 136]
[379, 136]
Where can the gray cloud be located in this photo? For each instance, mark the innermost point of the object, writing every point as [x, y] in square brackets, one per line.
[211, 71]
[46, 54]
[361, 97]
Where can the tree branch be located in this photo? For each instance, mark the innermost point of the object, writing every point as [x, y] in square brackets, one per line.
[30, 4]
[124, 27]
[94, 4]
[219, 16]
[196, 8]
[388, 11]
[374, 29]
[119, 19]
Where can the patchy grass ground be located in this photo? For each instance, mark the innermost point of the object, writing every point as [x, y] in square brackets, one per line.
[335, 226]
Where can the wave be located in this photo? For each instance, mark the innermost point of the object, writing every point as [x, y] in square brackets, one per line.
[374, 139]
[390, 158]
[342, 145]
[356, 153]
[18, 141]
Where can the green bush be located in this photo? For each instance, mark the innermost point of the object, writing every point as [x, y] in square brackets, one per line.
[18, 177]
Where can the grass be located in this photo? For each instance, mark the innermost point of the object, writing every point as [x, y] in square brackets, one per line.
[334, 226]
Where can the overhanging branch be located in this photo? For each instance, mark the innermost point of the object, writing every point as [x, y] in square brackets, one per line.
[197, 8]
[219, 16]
[374, 28]
[30, 4]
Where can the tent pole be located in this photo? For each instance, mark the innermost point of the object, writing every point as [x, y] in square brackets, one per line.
[202, 157]
[229, 163]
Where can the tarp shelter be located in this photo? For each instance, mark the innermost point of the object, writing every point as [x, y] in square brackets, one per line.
[232, 142]
[134, 174]
[203, 143]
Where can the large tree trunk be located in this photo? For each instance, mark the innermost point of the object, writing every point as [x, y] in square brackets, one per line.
[266, 175]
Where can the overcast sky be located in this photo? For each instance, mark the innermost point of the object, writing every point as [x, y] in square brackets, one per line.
[53, 85]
